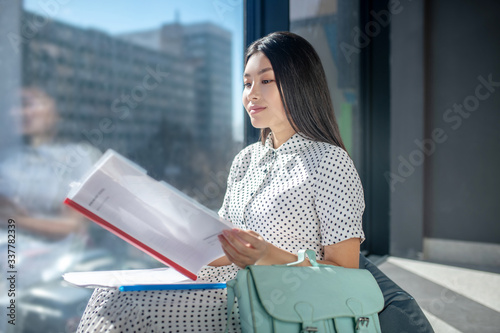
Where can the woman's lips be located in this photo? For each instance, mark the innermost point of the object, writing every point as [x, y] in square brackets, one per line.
[255, 109]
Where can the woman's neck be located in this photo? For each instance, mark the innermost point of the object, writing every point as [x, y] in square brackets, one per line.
[39, 140]
[280, 137]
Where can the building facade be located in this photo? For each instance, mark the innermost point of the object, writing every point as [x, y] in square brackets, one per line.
[166, 91]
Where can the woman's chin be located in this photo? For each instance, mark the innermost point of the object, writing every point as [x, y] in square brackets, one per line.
[257, 124]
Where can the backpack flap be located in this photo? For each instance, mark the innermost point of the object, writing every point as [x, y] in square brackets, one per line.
[309, 294]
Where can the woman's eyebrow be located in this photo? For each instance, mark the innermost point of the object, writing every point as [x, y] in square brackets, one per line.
[263, 70]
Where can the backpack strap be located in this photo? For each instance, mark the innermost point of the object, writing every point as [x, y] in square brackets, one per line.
[231, 296]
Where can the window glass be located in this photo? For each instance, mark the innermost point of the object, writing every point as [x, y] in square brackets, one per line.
[157, 81]
[329, 26]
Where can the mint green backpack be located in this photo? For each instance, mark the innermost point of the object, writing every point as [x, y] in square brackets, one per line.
[321, 298]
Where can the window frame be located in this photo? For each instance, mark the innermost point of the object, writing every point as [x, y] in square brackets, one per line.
[261, 19]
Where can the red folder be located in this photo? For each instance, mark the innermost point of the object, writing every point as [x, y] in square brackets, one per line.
[153, 216]
[126, 237]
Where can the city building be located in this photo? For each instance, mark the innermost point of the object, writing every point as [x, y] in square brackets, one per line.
[206, 48]
[169, 87]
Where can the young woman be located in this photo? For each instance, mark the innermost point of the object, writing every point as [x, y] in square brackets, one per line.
[296, 189]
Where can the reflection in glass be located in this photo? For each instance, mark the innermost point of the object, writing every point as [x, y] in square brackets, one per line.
[328, 26]
[36, 177]
[161, 97]
[155, 89]
[49, 238]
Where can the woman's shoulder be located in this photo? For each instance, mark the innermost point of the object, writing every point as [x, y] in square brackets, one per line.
[75, 157]
[328, 151]
[333, 150]
[76, 150]
[331, 157]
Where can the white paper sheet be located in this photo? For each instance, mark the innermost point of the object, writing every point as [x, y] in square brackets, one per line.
[115, 279]
[151, 212]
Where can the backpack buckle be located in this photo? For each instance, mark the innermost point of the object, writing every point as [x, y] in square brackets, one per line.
[362, 321]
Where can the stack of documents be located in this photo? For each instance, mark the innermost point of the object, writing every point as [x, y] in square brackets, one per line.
[153, 216]
[139, 279]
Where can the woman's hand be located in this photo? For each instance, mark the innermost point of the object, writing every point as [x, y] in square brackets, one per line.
[244, 247]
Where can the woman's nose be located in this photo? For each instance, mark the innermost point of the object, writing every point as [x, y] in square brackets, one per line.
[254, 92]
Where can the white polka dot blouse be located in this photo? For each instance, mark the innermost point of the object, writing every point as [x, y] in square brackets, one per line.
[302, 195]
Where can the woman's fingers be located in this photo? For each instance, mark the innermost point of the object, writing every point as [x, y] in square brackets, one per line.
[248, 237]
[251, 232]
[254, 239]
[233, 254]
[243, 247]
[230, 256]
[239, 243]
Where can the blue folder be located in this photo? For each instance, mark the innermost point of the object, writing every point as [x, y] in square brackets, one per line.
[179, 286]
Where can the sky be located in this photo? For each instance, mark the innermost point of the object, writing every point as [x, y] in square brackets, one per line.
[115, 17]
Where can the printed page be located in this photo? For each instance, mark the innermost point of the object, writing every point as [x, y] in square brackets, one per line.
[115, 279]
[153, 213]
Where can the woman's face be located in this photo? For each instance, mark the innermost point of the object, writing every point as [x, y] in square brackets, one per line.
[38, 113]
[261, 97]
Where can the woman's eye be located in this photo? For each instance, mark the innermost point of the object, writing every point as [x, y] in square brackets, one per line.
[247, 85]
[267, 81]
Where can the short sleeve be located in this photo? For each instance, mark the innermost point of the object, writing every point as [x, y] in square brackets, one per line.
[224, 210]
[235, 168]
[339, 198]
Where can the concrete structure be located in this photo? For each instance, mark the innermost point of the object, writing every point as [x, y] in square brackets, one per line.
[445, 100]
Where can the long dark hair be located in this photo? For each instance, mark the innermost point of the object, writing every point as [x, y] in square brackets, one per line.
[302, 85]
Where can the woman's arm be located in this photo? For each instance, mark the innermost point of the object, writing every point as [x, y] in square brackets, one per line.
[56, 227]
[245, 248]
[222, 261]
[51, 227]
